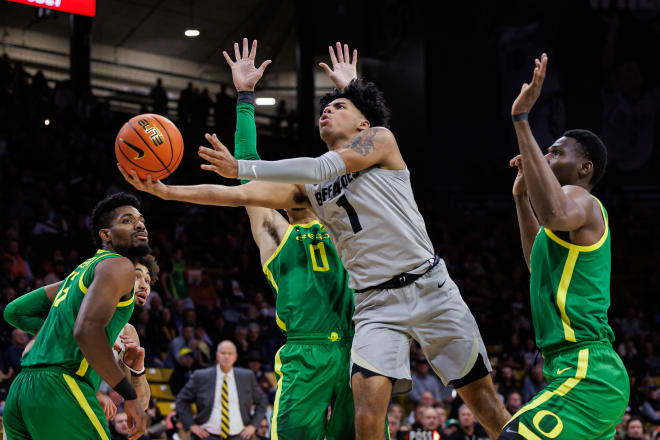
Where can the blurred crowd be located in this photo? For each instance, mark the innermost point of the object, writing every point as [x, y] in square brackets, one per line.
[57, 161]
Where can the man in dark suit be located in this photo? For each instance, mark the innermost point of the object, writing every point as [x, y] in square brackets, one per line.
[224, 396]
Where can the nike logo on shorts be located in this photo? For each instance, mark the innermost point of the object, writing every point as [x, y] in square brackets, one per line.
[562, 370]
[440, 285]
[254, 170]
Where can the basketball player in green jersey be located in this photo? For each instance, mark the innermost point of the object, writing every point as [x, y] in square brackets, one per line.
[29, 312]
[314, 304]
[566, 244]
[54, 395]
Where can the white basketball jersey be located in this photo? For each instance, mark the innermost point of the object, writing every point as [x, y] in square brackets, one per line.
[374, 223]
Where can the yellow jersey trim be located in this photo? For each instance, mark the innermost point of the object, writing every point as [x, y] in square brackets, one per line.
[267, 271]
[562, 291]
[527, 433]
[279, 322]
[278, 394]
[589, 248]
[564, 388]
[307, 225]
[82, 401]
[127, 302]
[83, 368]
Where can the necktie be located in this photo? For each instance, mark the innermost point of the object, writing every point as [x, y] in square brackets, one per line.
[224, 423]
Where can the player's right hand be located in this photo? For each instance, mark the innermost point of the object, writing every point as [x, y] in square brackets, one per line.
[157, 188]
[199, 431]
[243, 71]
[137, 419]
[519, 186]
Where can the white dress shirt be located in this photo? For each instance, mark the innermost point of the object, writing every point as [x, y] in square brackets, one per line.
[212, 426]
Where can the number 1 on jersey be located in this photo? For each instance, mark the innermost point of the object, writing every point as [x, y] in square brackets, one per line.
[352, 215]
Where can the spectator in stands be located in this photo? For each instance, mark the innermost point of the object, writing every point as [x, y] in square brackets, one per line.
[650, 360]
[187, 339]
[468, 428]
[451, 426]
[513, 402]
[621, 427]
[425, 380]
[19, 340]
[393, 423]
[442, 414]
[19, 267]
[416, 416]
[634, 429]
[240, 339]
[5, 272]
[243, 392]
[182, 370]
[256, 344]
[159, 98]
[428, 428]
[120, 426]
[173, 279]
[506, 381]
[167, 329]
[533, 383]
[651, 405]
[264, 430]
[186, 102]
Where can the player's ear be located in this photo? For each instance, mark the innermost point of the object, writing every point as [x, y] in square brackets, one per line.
[105, 235]
[364, 124]
[586, 168]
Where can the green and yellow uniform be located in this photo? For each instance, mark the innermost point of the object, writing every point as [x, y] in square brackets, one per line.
[54, 395]
[314, 308]
[588, 386]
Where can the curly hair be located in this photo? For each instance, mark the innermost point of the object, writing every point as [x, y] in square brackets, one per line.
[103, 212]
[366, 97]
[594, 149]
[149, 261]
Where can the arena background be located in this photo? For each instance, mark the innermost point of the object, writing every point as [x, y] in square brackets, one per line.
[67, 83]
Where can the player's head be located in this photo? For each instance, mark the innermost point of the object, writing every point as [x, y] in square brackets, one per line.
[345, 113]
[579, 157]
[298, 215]
[118, 225]
[146, 274]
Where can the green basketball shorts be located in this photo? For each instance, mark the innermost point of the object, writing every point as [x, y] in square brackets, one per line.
[586, 397]
[51, 404]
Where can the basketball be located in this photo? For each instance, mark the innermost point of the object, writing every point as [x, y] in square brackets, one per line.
[149, 144]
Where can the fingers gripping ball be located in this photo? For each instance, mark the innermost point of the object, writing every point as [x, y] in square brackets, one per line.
[149, 144]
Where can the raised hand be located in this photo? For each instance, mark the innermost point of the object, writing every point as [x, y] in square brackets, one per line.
[519, 186]
[243, 71]
[343, 70]
[220, 160]
[156, 188]
[529, 93]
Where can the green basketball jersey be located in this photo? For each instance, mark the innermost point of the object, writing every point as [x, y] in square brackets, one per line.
[55, 344]
[570, 290]
[310, 282]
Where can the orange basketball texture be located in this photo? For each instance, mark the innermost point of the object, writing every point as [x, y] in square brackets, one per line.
[149, 144]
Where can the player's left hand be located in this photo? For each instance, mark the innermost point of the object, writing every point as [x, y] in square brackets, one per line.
[343, 69]
[243, 71]
[248, 432]
[529, 93]
[133, 353]
[107, 405]
[220, 160]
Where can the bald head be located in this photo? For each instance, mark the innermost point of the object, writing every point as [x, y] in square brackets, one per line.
[226, 355]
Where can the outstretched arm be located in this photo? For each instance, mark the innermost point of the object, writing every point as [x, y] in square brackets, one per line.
[267, 225]
[557, 209]
[343, 69]
[529, 225]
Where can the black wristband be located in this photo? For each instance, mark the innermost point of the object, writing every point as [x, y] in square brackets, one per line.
[245, 98]
[125, 390]
[519, 117]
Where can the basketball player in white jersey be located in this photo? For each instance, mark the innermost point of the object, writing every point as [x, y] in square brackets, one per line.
[361, 192]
